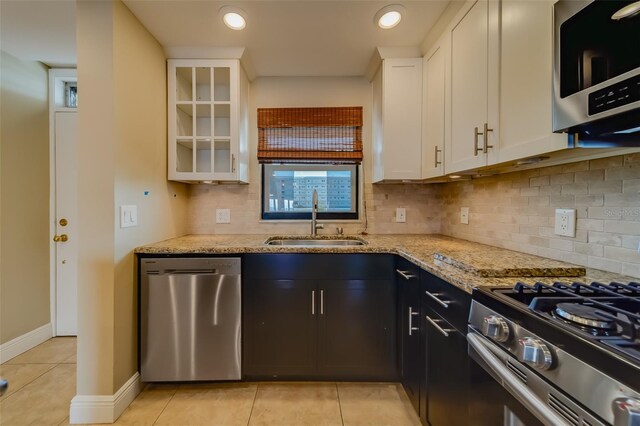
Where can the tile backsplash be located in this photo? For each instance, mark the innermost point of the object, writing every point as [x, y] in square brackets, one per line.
[423, 213]
[516, 211]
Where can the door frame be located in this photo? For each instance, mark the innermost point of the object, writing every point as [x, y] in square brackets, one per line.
[57, 79]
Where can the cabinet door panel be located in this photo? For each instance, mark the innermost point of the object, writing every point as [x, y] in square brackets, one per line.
[447, 373]
[526, 80]
[433, 114]
[402, 115]
[357, 329]
[412, 356]
[280, 328]
[469, 88]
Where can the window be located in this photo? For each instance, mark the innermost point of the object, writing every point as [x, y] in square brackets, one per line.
[302, 149]
[287, 191]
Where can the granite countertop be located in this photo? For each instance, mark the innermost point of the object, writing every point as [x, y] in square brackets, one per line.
[464, 264]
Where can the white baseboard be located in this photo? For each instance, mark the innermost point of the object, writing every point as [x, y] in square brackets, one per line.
[23, 343]
[104, 408]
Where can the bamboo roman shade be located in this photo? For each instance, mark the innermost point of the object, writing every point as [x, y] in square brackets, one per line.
[310, 135]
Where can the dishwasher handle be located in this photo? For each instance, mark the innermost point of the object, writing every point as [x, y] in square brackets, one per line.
[190, 271]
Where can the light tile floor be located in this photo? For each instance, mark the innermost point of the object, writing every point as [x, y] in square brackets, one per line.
[42, 382]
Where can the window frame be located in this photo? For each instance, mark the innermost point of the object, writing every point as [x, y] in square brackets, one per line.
[351, 215]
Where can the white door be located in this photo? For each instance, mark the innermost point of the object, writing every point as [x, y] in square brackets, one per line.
[66, 217]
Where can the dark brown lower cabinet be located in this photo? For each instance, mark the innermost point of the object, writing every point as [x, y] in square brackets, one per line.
[446, 373]
[319, 316]
[445, 382]
[280, 329]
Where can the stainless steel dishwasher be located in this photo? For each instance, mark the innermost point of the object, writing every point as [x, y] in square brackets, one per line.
[190, 319]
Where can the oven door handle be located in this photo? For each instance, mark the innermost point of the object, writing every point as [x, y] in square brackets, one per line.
[520, 391]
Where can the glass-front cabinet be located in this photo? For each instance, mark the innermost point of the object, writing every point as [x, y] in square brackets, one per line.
[208, 120]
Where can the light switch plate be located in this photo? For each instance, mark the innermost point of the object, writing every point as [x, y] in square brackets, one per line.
[401, 215]
[464, 215]
[565, 222]
[223, 215]
[128, 216]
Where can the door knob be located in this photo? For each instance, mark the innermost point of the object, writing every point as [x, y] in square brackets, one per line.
[61, 238]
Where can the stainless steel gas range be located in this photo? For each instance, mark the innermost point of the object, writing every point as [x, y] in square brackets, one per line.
[561, 354]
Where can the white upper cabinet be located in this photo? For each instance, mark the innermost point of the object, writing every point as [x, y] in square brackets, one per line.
[397, 116]
[526, 56]
[208, 121]
[433, 106]
[499, 84]
[473, 66]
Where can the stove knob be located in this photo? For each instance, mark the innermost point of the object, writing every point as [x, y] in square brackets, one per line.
[626, 412]
[535, 353]
[496, 328]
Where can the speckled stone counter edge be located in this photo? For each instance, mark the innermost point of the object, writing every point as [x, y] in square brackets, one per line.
[418, 249]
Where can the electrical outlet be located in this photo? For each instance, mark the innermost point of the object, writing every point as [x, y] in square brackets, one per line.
[464, 215]
[401, 215]
[223, 216]
[565, 222]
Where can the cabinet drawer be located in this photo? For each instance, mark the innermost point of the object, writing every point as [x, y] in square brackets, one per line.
[450, 302]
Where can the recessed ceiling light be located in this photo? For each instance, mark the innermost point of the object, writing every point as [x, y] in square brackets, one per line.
[233, 17]
[389, 16]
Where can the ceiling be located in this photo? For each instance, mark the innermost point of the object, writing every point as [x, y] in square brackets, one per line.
[282, 38]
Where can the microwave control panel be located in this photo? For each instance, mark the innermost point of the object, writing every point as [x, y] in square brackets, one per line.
[619, 94]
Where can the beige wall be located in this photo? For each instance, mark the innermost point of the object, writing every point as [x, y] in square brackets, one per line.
[244, 200]
[516, 211]
[122, 154]
[24, 180]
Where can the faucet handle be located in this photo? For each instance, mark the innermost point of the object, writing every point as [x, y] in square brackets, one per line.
[319, 226]
[339, 230]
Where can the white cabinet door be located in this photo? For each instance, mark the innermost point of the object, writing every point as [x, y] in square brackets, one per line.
[526, 81]
[469, 89]
[402, 115]
[397, 116]
[433, 104]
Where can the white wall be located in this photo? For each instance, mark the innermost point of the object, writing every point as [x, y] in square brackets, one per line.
[24, 212]
[244, 200]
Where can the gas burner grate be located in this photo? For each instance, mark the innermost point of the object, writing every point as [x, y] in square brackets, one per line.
[619, 303]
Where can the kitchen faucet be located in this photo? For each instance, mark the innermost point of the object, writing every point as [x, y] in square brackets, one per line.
[314, 211]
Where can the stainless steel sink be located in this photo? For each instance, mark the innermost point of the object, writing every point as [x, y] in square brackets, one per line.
[314, 242]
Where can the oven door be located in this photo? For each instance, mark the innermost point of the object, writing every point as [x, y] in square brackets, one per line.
[499, 395]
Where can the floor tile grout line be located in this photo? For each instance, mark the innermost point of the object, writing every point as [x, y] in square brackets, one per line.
[255, 396]
[27, 384]
[163, 408]
[339, 403]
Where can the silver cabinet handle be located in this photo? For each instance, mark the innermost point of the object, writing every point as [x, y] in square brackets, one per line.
[437, 163]
[313, 302]
[321, 302]
[519, 390]
[233, 163]
[411, 315]
[405, 274]
[435, 297]
[445, 332]
[476, 133]
[486, 138]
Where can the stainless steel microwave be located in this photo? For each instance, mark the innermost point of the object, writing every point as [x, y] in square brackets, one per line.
[596, 65]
